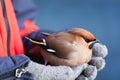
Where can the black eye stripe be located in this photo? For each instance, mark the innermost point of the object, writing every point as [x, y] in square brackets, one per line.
[87, 40]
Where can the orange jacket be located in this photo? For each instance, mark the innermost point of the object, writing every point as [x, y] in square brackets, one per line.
[10, 35]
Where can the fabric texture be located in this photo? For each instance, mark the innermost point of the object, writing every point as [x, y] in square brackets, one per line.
[12, 62]
[42, 72]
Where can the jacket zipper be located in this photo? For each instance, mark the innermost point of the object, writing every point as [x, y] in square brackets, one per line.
[7, 26]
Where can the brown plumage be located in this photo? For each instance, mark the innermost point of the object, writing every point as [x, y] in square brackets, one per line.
[71, 47]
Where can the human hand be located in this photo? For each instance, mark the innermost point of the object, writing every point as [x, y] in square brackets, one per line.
[96, 64]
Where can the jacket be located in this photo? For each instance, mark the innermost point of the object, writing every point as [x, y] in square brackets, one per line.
[15, 22]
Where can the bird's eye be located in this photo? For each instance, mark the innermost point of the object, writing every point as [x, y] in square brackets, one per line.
[87, 40]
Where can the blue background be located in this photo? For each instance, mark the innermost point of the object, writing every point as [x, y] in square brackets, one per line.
[101, 17]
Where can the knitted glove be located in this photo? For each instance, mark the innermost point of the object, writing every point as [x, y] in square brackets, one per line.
[42, 72]
[96, 64]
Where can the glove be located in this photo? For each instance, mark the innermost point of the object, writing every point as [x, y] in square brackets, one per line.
[43, 72]
[97, 63]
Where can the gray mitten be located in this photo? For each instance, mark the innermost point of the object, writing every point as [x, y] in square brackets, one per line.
[96, 64]
[43, 72]
[88, 74]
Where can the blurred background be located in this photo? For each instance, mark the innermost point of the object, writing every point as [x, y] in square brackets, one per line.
[101, 17]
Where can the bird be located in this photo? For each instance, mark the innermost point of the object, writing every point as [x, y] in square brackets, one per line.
[69, 48]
